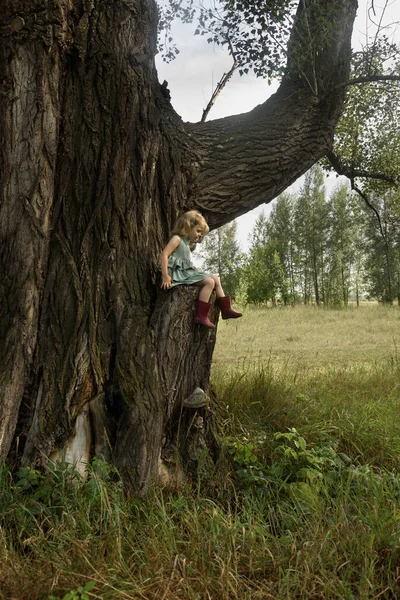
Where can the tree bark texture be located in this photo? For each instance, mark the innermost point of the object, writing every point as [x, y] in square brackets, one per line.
[95, 167]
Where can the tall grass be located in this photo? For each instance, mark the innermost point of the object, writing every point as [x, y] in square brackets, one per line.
[304, 503]
[358, 407]
[337, 538]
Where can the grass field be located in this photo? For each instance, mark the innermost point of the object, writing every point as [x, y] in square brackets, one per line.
[309, 337]
[303, 504]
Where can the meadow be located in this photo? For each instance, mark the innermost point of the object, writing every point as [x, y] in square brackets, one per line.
[303, 504]
[307, 337]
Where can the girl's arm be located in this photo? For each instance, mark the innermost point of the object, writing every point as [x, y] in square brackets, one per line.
[169, 249]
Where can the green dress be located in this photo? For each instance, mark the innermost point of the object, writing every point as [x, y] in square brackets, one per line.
[180, 266]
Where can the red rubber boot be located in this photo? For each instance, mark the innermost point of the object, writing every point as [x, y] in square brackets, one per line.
[201, 316]
[226, 311]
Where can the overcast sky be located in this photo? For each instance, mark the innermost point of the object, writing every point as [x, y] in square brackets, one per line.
[193, 75]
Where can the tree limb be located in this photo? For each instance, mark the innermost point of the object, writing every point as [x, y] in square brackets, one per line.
[369, 79]
[370, 206]
[350, 172]
[220, 85]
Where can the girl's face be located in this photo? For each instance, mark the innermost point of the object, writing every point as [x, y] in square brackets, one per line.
[195, 233]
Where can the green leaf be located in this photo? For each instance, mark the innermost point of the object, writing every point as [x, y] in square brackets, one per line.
[89, 586]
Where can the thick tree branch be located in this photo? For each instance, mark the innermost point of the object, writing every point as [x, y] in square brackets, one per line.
[249, 159]
[350, 172]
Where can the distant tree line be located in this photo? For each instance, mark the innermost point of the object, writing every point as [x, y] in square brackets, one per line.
[313, 248]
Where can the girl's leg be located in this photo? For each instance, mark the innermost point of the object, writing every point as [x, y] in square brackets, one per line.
[224, 302]
[218, 287]
[203, 305]
[206, 288]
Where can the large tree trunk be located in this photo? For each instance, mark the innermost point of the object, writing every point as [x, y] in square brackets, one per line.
[95, 166]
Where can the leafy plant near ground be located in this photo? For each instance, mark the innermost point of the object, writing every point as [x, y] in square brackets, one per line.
[80, 593]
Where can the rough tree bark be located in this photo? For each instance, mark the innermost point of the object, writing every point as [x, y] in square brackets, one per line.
[95, 166]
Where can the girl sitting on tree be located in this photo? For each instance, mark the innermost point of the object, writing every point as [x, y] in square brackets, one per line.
[178, 269]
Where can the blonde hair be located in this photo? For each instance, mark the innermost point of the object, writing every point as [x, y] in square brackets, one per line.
[187, 221]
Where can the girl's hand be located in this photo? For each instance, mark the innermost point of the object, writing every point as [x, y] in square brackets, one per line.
[166, 282]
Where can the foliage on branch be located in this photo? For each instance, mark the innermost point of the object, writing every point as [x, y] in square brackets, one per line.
[367, 140]
[257, 33]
